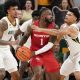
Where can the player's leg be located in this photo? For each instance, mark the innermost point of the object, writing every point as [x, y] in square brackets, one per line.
[2, 73]
[54, 76]
[11, 65]
[62, 77]
[15, 75]
[14, 54]
[77, 67]
[38, 73]
[30, 72]
[2, 68]
[22, 68]
[51, 66]
[67, 68]
[36, 64]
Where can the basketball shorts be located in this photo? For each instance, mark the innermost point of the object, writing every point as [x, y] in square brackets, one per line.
[70, 65]
[47, 60]
[7, 61]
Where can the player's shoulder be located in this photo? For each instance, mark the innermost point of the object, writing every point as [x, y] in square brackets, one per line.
[74, 26]
[63, 25]
[4, 18]
[29, 22]
[3, 24]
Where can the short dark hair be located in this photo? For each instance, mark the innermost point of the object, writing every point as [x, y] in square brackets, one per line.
[35, 13]
[76, 12]
[10, 3]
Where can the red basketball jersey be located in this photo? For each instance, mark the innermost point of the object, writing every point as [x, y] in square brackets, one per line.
[39, 39]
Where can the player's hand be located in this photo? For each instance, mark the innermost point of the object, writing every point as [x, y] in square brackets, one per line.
[17, 47]
[36, 28]
[13, 42]
[33, 54]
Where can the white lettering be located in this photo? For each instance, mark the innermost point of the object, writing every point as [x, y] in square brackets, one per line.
[38, 35]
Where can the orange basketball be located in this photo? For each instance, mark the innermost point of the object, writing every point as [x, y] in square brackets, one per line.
[23, 53]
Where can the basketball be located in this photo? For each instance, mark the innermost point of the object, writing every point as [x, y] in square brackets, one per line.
[23, 53]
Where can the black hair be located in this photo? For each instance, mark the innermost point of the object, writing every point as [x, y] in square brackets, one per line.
[76, 12]
[35, 13]
[10, 3]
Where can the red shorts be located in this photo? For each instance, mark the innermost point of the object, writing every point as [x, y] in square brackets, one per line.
[47, 60]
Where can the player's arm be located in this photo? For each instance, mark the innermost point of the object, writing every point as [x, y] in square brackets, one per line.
[25, 36]
[22, 28]
[17, 33]
[71, 31]
[3, 27]
[60, 35]
[48, 31]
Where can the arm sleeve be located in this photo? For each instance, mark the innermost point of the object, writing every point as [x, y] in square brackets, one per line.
[45, 48]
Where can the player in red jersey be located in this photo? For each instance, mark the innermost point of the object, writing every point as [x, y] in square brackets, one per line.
[41, 46]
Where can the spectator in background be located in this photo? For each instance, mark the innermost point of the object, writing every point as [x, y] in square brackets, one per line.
[56, 3]
[42, 3]
[26, 13]
[2, 8]
[76, 3]
[19, 14]
[60, 11]
[22, 3]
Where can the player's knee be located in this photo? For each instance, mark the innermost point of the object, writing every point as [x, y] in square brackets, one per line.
[2, 73]
[15, 75]
[77, 75]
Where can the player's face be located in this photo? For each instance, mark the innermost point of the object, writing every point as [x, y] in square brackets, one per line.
[13, 11]
[48, 16]
[70, 18]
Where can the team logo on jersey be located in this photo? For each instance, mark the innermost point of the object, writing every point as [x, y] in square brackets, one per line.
[11, 32]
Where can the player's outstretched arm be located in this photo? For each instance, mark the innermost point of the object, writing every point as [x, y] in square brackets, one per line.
[48, 31]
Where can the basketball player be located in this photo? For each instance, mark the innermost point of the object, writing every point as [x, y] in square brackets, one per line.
[8, 25]
[42, 43]
[22, 29]
[70, 32]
